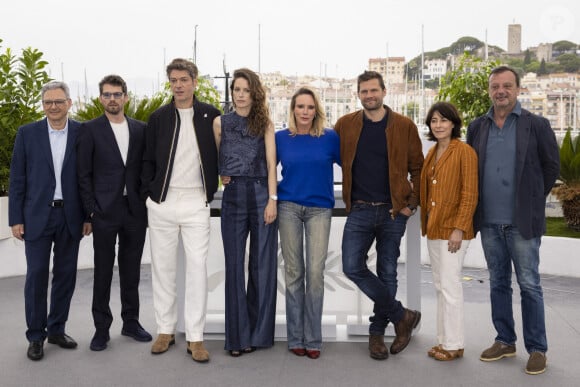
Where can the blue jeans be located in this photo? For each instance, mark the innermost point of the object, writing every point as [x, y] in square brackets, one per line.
[364, 224]
[304, 272]
[502, 245]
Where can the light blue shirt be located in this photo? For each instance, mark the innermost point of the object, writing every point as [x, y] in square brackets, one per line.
[499, 173]
[57, 148]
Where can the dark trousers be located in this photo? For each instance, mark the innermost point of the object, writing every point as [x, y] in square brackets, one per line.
[131, 235]
[365, 224]
[64, 273]
[250, 314]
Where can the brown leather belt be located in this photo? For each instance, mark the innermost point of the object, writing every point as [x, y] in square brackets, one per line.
[374, 204]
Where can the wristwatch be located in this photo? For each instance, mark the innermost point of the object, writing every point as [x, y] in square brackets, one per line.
[274, 197]
[412, 208]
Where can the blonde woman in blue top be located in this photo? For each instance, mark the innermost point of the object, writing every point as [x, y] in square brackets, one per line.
[307, 152]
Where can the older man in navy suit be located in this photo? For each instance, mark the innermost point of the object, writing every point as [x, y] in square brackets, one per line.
[109, 159]
[45, 211]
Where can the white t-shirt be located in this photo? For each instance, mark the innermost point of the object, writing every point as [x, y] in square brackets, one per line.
[121, 132]
[186, 172]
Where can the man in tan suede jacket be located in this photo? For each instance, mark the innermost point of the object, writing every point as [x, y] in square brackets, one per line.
[379, 149]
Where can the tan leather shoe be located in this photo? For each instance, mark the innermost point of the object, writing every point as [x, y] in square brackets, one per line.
[162, 343]
[198, 351]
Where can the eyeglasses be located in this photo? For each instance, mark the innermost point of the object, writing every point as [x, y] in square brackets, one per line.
[57, 102]
[116, 95]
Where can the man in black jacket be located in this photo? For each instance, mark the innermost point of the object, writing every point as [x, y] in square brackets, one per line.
[179, 178]
[109, 161]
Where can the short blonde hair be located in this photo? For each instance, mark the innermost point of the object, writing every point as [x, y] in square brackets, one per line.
[319, 121]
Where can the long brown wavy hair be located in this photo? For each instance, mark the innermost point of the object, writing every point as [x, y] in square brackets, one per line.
[259, 117]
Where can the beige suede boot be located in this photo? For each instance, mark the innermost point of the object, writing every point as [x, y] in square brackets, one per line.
[198, 351]
[162, 343]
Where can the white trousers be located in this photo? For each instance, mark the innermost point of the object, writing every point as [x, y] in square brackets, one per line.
[184, 213]
[447, 275]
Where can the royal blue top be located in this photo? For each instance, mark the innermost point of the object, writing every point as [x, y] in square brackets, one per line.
[307, 167]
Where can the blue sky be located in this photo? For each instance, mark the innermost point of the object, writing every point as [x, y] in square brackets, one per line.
[135, 40]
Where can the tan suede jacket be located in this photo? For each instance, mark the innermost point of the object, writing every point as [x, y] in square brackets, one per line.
[404, 151]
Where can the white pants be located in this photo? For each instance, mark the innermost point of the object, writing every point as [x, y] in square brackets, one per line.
[184, 212]
[447, 275]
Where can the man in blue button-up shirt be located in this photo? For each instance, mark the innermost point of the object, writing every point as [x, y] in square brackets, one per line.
[518, 165]
[45, 212]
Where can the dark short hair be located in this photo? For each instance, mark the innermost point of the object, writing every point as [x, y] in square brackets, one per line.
[448, 111]
[114, 80]
[182, 65]
[503, 69]
[367, 76]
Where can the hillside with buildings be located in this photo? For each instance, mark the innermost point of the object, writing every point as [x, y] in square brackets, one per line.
[550, 83]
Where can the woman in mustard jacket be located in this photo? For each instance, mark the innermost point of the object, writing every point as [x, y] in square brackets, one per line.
[448, 200]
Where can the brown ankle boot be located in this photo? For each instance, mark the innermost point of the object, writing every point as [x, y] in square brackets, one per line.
[404, 330]
[377, 348]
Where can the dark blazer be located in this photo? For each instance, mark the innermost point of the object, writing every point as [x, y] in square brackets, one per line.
[537, 168]
[101, 172]
[32, 181]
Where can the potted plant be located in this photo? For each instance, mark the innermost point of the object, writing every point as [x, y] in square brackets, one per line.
[21, 79]
[568, 192]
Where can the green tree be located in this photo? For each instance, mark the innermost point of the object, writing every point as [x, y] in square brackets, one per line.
[528, 57]
[466, 43]
[412, 111]
[21, 80]
[466, 87]
[569, 63]
[563, 46]
[542, 70]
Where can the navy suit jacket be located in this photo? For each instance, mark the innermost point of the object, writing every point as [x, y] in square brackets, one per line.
[537, 168]
[102, 173]
[32, 181]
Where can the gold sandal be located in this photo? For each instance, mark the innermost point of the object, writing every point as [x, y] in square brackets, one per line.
[434, 350]
[447, 355]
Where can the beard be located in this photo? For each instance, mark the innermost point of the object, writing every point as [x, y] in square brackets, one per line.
[113, 109]
[372, 104]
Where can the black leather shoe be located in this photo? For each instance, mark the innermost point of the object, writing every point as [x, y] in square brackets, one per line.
[35, 350]
[63, 341]
[99, 341]
[136, 331]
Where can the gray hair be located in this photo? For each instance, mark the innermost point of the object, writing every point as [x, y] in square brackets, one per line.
[53, 85]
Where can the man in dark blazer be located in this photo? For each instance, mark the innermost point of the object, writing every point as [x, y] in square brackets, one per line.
[518, 165]
[109, 158]
[46, 212]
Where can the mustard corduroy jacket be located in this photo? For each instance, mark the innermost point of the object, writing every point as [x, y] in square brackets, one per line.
[449, 189]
